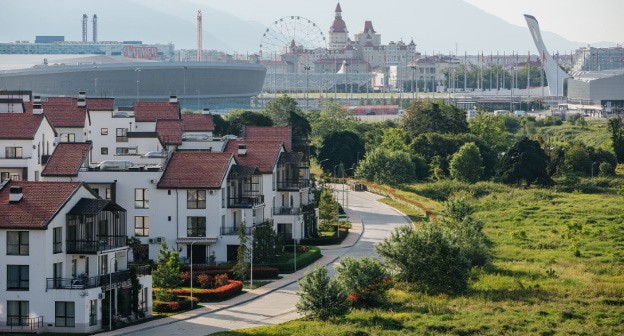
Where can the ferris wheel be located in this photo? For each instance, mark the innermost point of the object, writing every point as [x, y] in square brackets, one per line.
[288, 31]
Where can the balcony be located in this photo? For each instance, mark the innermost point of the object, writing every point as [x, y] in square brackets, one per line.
[286, 211]
[246, 201]
[95, 281]
[233, 230]
[23, 323]
[95, 225]
[95, 246]
[292, 184]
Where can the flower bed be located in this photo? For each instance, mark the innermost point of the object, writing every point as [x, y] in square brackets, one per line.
[259, 272]
[174, 306]
[234, 287]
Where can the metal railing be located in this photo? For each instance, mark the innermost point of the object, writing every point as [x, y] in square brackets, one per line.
[233, 230]
[93, 246]
[293, 184]
[95, 281]
[24, 323]
[286, 211]
[245, 201]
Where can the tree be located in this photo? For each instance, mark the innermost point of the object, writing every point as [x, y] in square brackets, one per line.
[331, 119]
[221, 126]
[577, 159]
[525, 162]
[166, 275]
[340, 148]
[617, 138]
[467, 165]
[241, 268]
[384, 166]
[328, 209]
[395, 139]
[266, 243]
[280, 110]
[238, 119]
[365, 279]
[321, 297]
[434, 116]
[426, 258]
[491, 129]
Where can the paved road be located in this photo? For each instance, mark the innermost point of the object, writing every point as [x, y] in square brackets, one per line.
[279, 306]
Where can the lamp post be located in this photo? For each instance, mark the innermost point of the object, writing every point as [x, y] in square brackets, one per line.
[253, 228]
[138, 71]
[412, 86]
[110, 298]
[192, 272]
[592, 169]
[307, 70]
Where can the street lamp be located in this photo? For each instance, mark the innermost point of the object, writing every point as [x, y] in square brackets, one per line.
[110, 298]
[138, 71]
[412, 86]
[307, 69]
[592, 169]
[193, 242]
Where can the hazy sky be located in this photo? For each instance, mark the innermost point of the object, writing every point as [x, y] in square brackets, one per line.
[576, 20]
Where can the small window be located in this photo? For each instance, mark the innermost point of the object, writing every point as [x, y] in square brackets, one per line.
[141, 198]
[92, 312]
[65, 314]
[108, 194]
[17, 313]
[104, 131]
[57, 240]
[7, 175]
[13, 152]
[104, 150]
[196, 227]
[121, 151]
[141, 226]
[68, 137]
[121, 135]
[196, 199]
[17, 243]
[18, 277]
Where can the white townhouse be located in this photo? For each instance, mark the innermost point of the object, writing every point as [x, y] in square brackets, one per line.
[64, 265]
[26, 141]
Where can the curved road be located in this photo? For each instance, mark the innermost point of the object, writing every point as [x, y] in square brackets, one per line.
[276, 307]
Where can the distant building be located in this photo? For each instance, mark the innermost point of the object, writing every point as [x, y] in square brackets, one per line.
[596, 59]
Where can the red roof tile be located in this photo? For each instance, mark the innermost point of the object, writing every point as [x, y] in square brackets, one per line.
[19, 125]
[152, 111]
[196, 122]
[169, 131]
[41, 202]
[101, 104]
[64, 112]
[260, 154]
[67, 159]
[266, 133]
[195, 170]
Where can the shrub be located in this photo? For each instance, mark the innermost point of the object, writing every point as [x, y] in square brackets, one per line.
[320, 296]
[426, 258]
[260, 272]
[165, 296]
[183, 303]
[467, 164]
[234, 287]
[167, 272]
[221, 280]
[606, 169]
[365, 279]
[205, 281]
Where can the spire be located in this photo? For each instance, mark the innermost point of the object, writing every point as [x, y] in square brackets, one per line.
[338, 9]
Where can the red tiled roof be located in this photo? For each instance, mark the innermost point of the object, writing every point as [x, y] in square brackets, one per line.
[64, 112]
[41, 202]
[260, 154]
[101, 104]
[152, 111]
[265, 133]
[67, 159]
[195, 170]
[196, 122]
[169, 131]
[19, 125]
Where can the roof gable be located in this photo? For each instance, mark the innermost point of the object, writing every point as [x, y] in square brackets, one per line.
[195, 170]
[260, 154]
[64, 112]
[169, 131]
[269, 133]
[23, 126]
[195, 122]
[151, 111]
[67, 159]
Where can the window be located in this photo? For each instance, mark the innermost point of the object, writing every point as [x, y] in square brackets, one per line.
[196, 227]
[141, 226]
[17, 243]
[196, 199]
[104, 264]
[121, 135]
[92, 312]
[108, 194]
[104, 131]
[143, 300]
[68, 137]
[13, 152]
[104, 150]
[65, 314]
[17, 313]
[5, 176]
[74, 267]
[141, 198]
[17, 277]
[121, 151]
[57, 240]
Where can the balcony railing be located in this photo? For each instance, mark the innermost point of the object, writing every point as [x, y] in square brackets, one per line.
[292, 184]
[245, 201]
[233, 230]
[95, 281]
[24, 323]
[94, 246]
[286, 211]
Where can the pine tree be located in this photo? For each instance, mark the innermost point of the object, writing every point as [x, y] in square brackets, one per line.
[241, 268]
[320, 296]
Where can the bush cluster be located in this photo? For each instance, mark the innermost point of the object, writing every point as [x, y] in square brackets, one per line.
[184, 303]
[233, 287]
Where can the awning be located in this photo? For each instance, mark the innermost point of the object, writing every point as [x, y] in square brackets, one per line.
[196, 240]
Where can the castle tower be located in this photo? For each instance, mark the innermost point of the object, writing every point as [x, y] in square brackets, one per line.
[338, 33]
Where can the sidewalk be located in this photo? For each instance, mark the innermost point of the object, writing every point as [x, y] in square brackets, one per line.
[354, 235]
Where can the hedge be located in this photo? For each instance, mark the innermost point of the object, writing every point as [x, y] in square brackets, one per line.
[234, 287]
[327, 240]
[303, 260]
[259, 272]
[174, 306]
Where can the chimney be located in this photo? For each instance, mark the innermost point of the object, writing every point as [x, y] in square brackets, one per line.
[82, 99]
[15, 194]
[82, 94]
[36, 99]
[173, 99]
[242, 149]
[37, 108]
[206, 111]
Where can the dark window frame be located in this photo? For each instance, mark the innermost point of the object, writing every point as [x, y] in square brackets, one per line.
[143, 230]
[57, 240]
[196, 199]
[195, 226]
[63, 319]
[19, 248]
[141, 198]
[22, 282]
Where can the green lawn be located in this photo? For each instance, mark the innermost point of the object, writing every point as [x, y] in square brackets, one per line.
[558, 270]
